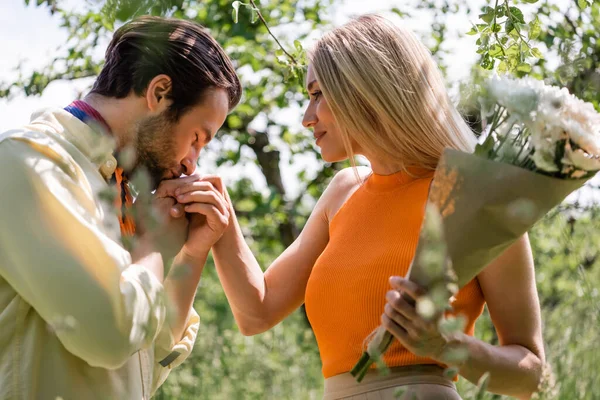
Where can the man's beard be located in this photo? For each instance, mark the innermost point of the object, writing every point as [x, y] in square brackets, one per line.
[155, 149]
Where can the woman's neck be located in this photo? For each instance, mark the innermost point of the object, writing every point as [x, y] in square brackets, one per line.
[381, 167]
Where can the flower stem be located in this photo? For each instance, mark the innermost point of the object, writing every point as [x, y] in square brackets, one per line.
[522, 138]
[503, 141]
[496, 120]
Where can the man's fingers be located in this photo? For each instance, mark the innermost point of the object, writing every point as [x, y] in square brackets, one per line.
[168, 187]
[177, 211]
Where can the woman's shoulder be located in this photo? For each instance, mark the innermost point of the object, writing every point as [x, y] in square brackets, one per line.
[342, 187]
[347, 180]
[346, 175]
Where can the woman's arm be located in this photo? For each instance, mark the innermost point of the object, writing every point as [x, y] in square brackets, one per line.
[508, 285]
[261, 300]
[509, 289]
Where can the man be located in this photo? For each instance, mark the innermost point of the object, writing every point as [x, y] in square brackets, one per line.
[80, 316]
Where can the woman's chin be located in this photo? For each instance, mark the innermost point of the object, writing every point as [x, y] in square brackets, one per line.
[328, 157]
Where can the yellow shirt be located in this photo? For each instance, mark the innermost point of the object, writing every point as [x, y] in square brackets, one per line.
[78, 320]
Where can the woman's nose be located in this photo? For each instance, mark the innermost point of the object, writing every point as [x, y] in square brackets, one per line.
[310, 117]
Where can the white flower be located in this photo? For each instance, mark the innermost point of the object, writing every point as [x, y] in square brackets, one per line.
[578, 120]
[580, 159]
[517, 96]
[552, 117]
[582, 124]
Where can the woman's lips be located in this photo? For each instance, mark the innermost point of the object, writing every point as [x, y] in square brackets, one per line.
[319, 136]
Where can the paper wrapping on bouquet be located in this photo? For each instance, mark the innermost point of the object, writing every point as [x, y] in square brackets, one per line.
[485, 207]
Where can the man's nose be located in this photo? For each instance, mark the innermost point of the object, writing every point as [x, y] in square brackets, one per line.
[190, 161]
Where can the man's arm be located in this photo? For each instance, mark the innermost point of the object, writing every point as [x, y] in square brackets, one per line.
[208, 214]
[55, 255]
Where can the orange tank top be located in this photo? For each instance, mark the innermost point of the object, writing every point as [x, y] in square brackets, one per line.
[372, 237]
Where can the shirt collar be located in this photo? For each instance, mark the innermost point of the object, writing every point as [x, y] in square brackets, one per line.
[90, 138]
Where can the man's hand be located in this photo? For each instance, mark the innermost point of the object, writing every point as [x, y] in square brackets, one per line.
[160, 225]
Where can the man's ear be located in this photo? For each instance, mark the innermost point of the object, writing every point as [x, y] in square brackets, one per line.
[158, 94]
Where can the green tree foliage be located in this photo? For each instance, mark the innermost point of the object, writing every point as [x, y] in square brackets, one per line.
[519, 37]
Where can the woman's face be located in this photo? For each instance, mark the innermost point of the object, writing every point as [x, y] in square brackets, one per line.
[318, 116]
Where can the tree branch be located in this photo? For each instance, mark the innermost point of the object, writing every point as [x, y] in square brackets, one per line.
[271, 33]
[269, 164]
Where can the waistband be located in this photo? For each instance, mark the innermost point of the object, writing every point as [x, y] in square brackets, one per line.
[344, 385]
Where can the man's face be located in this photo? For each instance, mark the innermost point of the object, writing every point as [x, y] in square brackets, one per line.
[169, 149]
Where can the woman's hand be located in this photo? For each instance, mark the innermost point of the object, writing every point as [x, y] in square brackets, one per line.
[420, 336]
[203, 200]
[208, 210]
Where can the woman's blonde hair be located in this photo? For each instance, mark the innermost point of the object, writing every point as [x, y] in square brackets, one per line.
[387, 94]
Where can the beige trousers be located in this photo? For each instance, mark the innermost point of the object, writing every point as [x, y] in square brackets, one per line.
[414, 382]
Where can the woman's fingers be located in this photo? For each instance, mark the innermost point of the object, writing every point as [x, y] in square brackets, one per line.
[216, 181]
[207, 197]
[404, 285]
[394, 299]
[401, 320]
[212, 213]
[397, 330]
[187, 187]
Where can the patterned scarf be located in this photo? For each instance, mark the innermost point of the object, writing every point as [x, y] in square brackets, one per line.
[124, 199]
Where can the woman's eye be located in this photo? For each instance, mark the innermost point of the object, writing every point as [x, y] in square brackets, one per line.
[315, 95]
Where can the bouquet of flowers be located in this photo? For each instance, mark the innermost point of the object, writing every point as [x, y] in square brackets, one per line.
[539, 144]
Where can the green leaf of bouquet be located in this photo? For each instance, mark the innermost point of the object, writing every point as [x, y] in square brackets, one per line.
[485, 149]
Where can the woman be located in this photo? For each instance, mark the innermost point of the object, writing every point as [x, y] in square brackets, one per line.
[376, 91]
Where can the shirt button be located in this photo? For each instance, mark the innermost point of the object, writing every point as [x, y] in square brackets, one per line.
[110, 164]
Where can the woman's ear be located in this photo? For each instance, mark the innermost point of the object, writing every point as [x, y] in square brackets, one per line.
[158, 94]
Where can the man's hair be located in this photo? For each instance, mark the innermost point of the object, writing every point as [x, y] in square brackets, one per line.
[149, 46]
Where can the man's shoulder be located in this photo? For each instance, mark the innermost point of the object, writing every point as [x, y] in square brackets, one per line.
[30, 145]
[39, 130]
